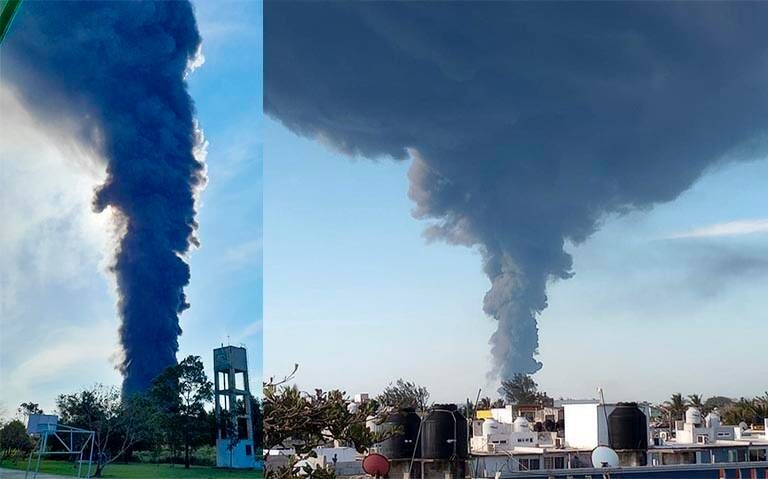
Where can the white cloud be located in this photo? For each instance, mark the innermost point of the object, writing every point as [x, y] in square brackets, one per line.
[732, 228]
[250, 330]
[246, 253]
[57, 319]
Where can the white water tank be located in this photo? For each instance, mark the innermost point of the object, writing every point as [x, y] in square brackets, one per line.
[490, 426]
[373, 424]
[521, 425]
[692, 416]
[713, 419]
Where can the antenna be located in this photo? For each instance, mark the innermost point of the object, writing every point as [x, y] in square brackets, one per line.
[605, 413]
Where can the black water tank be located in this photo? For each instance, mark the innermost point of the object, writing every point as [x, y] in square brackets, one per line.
[628, 427]
[400, 446]
[444, 433]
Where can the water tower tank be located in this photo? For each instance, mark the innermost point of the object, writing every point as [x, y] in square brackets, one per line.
[444, 434]
[693, 416]
[628, 427]
[491, 426]
[399, 446]
[713, 419]
[521, 425]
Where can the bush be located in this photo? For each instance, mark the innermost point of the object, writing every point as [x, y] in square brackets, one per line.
[14, 440]
[202, 456]
[205, 456]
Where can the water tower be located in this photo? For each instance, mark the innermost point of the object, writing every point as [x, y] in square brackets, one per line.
[232, 403]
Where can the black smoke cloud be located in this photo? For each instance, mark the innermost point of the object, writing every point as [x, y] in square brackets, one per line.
[112, 75]
[527, 123]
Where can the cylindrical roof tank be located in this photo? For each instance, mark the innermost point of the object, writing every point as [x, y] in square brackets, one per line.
[402, 445]
[521, 425]
[444, 434]
[628, 427]
[490, 426]
[692, 416]
[713, 419]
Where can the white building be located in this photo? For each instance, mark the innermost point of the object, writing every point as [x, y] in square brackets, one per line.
[694, 430]
[492, 435]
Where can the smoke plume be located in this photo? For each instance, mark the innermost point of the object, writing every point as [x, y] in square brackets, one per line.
[112, 75]
[526, 123]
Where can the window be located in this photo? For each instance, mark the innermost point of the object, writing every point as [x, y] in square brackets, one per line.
[703, 438]
[758, 455]
[741, 455]
[721, 455]
[723, 434]
[529, 464]
[248, 450]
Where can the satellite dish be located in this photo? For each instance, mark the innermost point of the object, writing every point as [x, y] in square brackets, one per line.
[376, 465]
[603, 456]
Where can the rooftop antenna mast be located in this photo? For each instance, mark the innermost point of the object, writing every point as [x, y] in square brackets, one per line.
[605, 413]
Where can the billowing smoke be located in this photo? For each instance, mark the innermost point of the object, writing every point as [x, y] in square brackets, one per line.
[112, 74]
[526, 123]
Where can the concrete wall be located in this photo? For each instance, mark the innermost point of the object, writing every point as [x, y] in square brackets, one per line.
[238, 457]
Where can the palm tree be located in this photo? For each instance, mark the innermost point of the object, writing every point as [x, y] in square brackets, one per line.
[695, 400]
[742, 410]
[675, 407]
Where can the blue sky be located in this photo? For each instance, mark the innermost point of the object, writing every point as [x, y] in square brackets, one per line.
[358, 297]
[58, 327]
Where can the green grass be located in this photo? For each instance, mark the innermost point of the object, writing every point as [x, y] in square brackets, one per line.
[142, 471]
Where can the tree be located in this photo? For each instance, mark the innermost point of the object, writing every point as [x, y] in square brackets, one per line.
[695, 400]
[258, 423]
[14, 437]
[719, 402]
[404, 394]
[118, 424]
[29, 408]
[675, 407]
[484, 403]
[179, 394]
[750, 411]
[293, 418]
[522, 389]
[498, 403]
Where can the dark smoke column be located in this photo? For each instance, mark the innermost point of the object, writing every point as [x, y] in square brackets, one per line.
[113, 75]
[527, 123]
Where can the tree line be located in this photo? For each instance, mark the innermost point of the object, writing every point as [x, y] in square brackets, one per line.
[173, 417]
[747, 410]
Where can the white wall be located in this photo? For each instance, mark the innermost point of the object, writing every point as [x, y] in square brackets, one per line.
[581, 425]
[503, 415]
[586, 426]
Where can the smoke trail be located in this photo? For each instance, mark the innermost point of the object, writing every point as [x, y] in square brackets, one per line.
[527, 122]
[112, 74]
